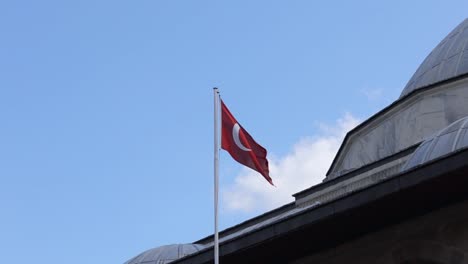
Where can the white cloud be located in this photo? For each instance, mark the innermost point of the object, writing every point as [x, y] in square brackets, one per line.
[303, 167]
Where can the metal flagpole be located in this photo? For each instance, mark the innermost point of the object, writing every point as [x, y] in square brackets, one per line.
[216, 171]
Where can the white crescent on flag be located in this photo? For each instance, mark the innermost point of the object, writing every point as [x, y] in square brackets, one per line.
[235, 136]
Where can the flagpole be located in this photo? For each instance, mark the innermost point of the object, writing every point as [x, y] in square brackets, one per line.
[216, 172]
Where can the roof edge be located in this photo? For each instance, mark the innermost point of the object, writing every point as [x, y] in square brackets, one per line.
[248, 222]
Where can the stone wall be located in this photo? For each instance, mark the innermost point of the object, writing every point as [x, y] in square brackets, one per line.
[403, 126]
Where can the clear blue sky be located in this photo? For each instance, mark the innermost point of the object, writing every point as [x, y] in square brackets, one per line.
[106, 135]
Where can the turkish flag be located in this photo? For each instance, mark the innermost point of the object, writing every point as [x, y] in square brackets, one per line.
[241, 146]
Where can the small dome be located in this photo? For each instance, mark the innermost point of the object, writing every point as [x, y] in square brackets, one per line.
[449, 59]
[165, 254]
[449, 139]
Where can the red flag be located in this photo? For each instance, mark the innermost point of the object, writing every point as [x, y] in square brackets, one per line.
[241, 146]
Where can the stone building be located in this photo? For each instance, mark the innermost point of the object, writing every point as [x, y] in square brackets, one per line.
[396, 192]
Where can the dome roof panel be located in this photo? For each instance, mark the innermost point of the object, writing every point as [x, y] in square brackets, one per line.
[463, 141]
[448, 59]
[443, 145]
[463, 64]
[165, 254]
[451, 138]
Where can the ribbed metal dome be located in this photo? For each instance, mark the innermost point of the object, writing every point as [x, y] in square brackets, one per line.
[165, 254]
[448, 140]
[449, 59]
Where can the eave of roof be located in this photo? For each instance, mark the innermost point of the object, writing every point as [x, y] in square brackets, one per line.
[355, 172]
[248, 223]
[389, 202]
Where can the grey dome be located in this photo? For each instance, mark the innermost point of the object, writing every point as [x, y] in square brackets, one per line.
[449, 139]
[165, 254]
[449, 59]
